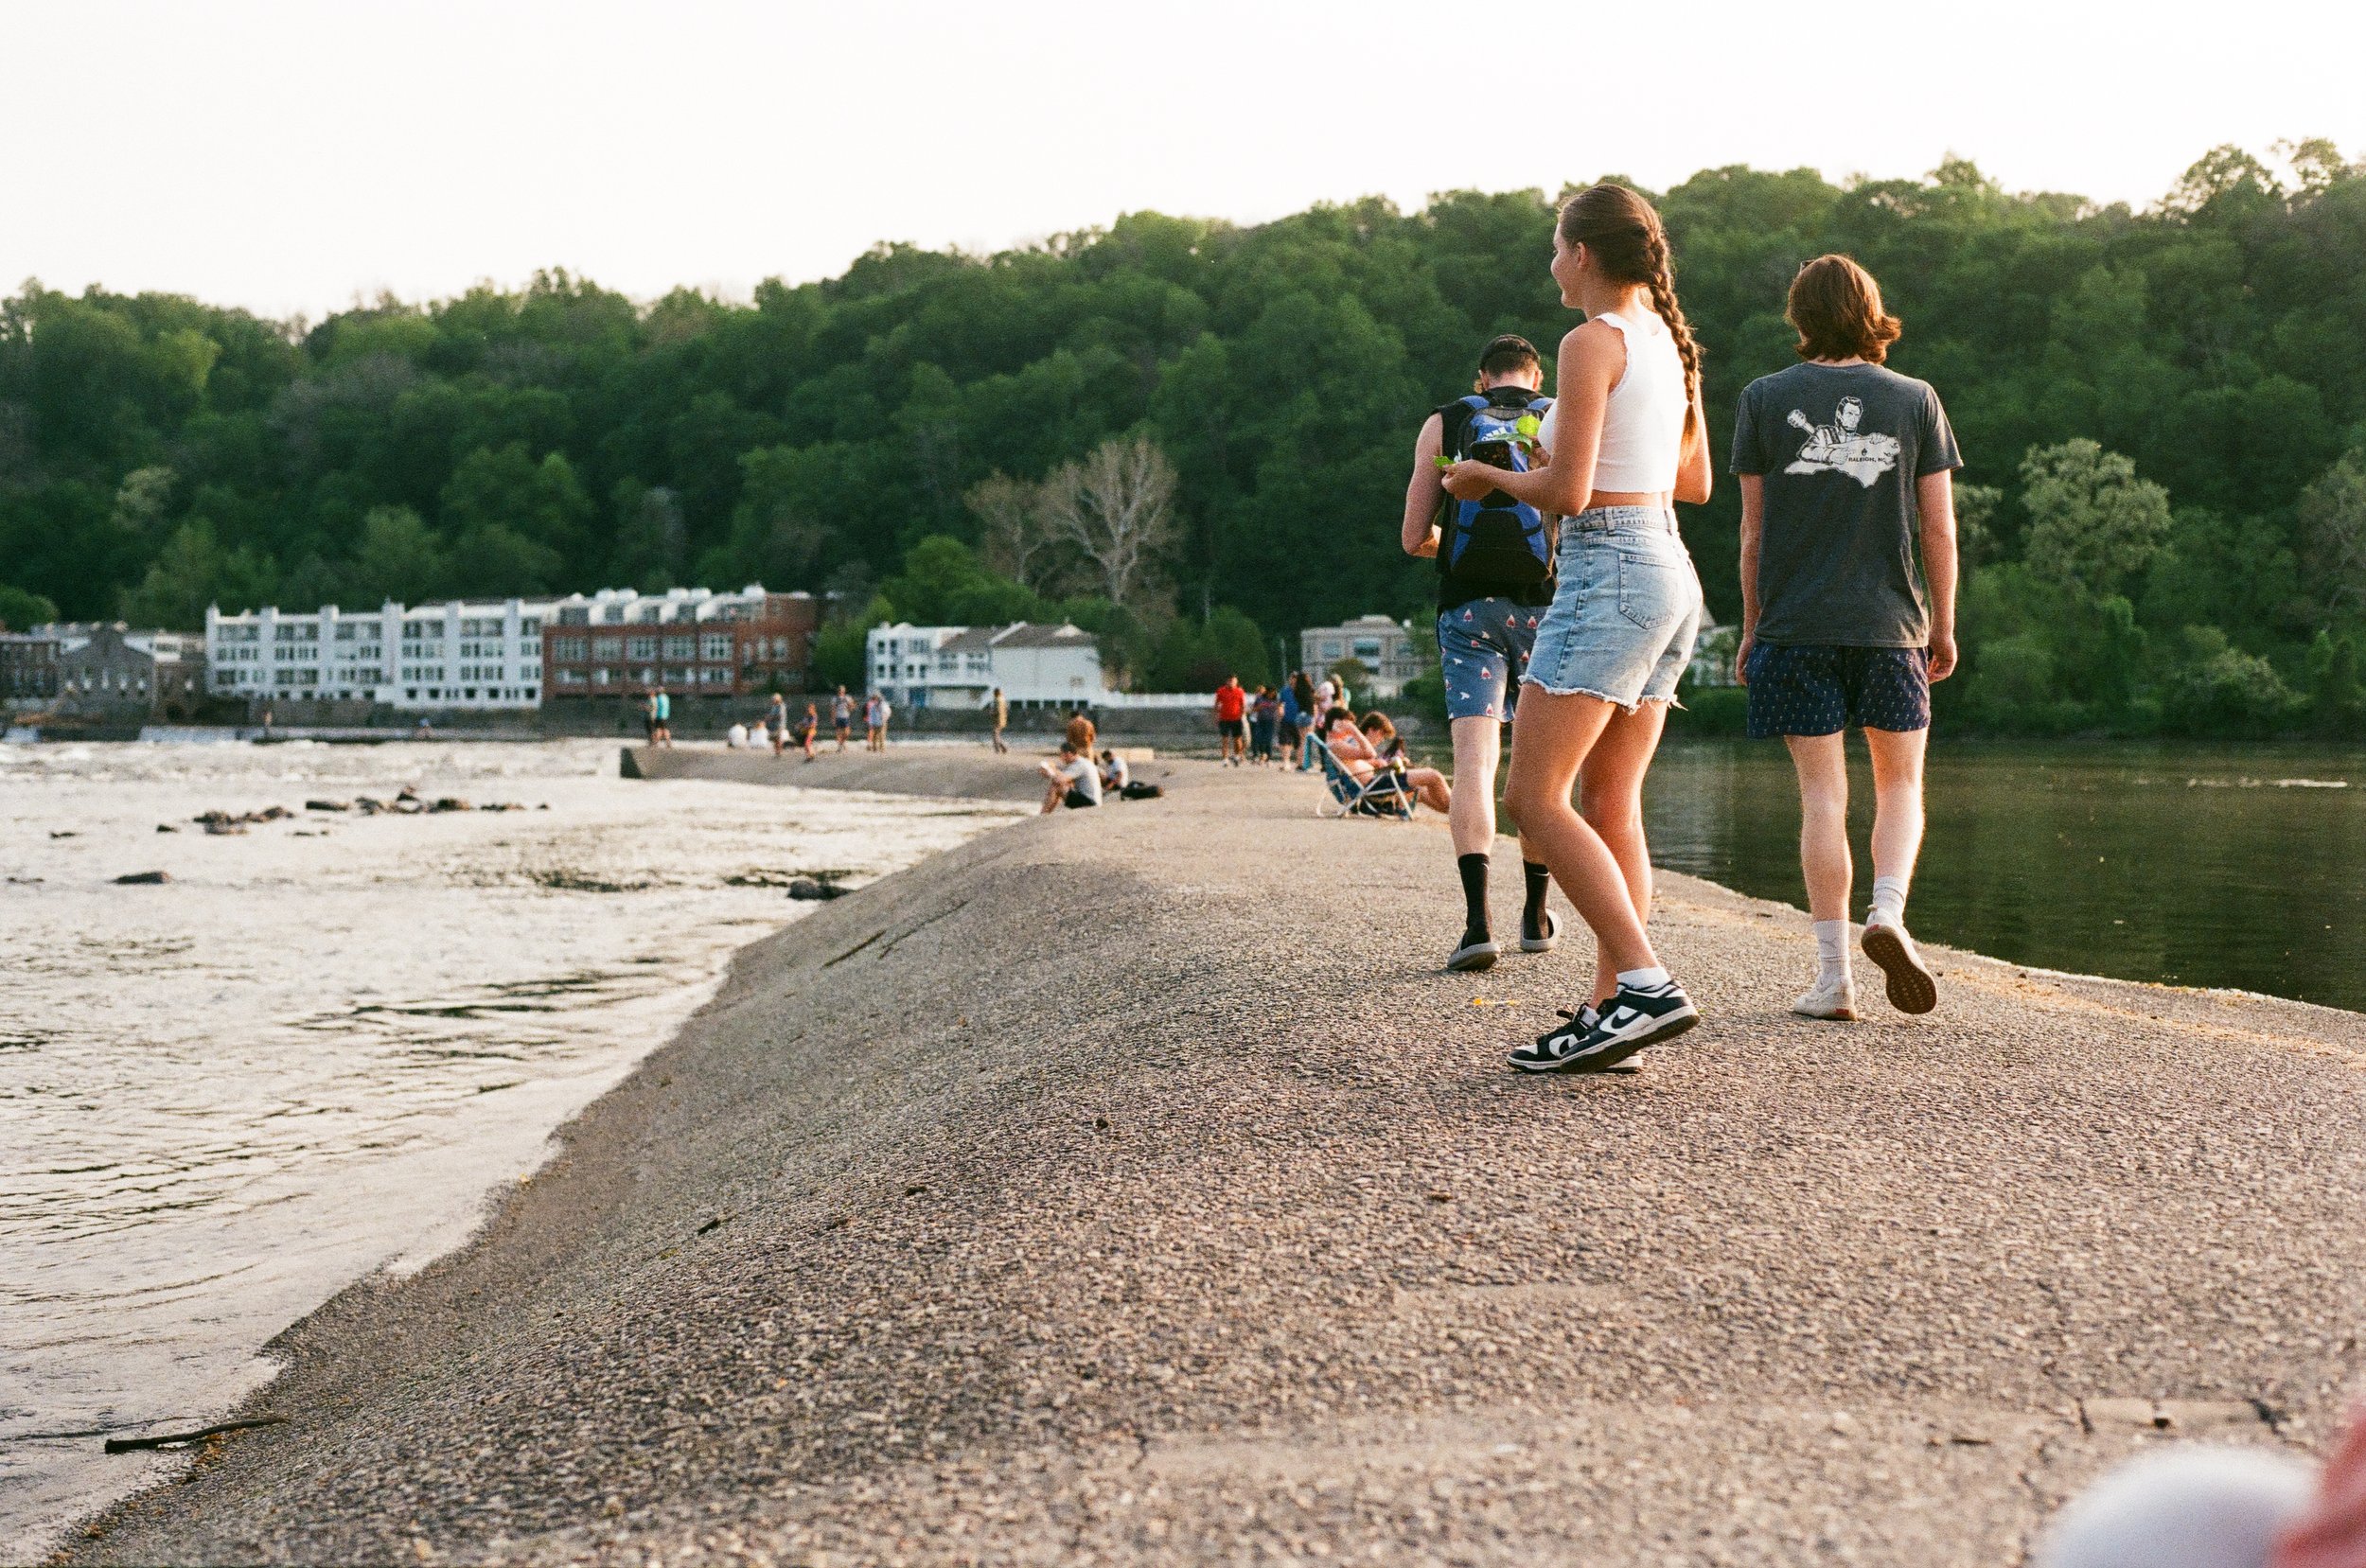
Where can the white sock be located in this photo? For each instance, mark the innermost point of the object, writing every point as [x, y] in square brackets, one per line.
[1889, 902]
[1831, 950]
[1642, 980]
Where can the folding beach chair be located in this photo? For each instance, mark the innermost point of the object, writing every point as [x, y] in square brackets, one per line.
[1384, 794]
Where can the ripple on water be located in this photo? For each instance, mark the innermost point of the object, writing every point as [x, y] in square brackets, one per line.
[312, 1053]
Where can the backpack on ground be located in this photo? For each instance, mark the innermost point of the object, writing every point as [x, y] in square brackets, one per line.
[1495, 539]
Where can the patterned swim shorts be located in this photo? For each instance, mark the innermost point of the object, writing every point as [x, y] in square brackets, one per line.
[1482, 653]
[1810, 689]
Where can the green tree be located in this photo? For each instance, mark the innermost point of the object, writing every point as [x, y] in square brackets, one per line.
[20, 610]
[192, 571]
[2091, 520]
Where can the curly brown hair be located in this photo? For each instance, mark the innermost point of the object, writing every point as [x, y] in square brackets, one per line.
[1630, 245]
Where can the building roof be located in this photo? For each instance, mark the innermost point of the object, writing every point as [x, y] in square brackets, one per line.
[1022, 634]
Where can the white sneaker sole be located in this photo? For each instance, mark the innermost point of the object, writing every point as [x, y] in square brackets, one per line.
[1550, 940]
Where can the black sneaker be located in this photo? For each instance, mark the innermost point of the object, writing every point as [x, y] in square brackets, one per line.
[1556, 1043]
[1477, 952]
[1631, 1020]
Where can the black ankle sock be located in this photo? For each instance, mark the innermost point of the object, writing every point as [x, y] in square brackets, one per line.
[1473, 869]
[1540, 881]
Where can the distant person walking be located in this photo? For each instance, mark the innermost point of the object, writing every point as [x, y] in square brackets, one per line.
[842, 715]
[1001, 721]
[1265, 718]
[1230, 708]
[1844, 468]
[876, 713]
[1494, 560]
[1310, 718]
[776, 723]
[1624, 439]
[661, 718]
[1289, 718]
[809, 727]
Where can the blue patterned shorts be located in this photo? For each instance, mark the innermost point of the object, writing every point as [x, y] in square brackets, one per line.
[1482, 653]
[1812, 689]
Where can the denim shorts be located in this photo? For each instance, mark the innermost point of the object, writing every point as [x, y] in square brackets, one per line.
[1622, 626]
[1815, 689]
[1482, 653]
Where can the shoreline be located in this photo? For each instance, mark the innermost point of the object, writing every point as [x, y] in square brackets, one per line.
[1215, 1196]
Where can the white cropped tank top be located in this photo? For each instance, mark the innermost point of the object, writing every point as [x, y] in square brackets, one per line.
[1643, 427]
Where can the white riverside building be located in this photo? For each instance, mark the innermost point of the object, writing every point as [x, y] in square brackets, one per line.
[1036, 665]
[466, 654]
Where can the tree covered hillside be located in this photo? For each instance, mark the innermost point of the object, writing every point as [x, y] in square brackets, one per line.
[2155, 408]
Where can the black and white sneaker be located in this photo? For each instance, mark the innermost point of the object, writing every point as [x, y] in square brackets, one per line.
[1632, 1020]
[1555, 1043]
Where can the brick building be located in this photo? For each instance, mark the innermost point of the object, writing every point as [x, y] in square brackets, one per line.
[692, 641]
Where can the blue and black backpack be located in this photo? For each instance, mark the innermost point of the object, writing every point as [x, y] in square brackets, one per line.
[1497, 541]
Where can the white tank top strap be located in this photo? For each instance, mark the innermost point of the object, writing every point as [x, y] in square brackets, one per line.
[1643, 424]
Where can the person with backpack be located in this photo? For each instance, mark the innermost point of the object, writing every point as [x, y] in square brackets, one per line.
[1494, 559]
[1839, 627]
[1624, 440]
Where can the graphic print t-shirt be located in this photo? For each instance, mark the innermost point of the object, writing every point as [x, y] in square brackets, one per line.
[1841, 448]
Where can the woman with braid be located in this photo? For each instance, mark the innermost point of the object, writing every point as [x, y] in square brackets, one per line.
[1624, 440]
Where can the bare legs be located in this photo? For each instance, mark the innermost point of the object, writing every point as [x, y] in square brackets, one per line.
[1478, 749]
[1896, 799]
[1610, 798]
[1822, 763]
[1554, 739]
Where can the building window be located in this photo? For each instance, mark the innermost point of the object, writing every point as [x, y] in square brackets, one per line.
[680, 647]
[640, 647]
[714, 645]
[567, 647]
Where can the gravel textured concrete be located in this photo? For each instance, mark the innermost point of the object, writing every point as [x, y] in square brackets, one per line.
[1131, 1186]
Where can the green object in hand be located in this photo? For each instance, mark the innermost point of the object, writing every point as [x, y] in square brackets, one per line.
[1443, 461]
[1527, 425]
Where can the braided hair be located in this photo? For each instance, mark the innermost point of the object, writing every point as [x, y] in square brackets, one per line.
[1630, 246]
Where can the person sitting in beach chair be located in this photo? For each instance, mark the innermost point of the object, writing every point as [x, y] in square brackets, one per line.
[1356, 782]
[1428, 783]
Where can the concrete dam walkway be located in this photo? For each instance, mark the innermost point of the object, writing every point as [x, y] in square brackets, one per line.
[1131, 1186]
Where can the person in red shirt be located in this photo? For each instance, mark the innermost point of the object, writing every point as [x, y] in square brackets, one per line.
[1231, 720]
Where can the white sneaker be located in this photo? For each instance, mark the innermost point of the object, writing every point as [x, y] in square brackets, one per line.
[1912, 986]
[1835, 999]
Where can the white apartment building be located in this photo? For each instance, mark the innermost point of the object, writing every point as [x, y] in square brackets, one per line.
[1384, 648]
[472, 654]
[960, 666]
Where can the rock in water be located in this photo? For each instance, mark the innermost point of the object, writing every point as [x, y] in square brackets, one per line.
[806, 887]
[132, 879]
[329, 805]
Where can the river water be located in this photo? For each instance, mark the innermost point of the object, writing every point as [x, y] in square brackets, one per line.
[313, 1053]
[2237, 866]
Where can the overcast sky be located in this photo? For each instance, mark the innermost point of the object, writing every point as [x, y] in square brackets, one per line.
[291, 156]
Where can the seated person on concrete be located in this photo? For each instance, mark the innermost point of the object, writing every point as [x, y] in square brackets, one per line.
[1072, 782]
[1375, 740]
[1114, 773]
[736, 736]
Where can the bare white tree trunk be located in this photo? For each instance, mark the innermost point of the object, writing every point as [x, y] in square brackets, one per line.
[1116, 508]
[1018, 541]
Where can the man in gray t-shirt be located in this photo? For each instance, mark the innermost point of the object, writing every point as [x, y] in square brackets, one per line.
[1846, 479]
[1841, 448]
